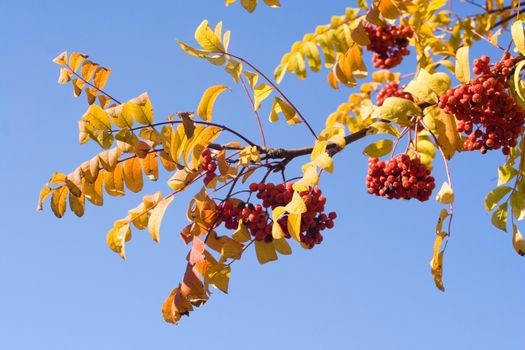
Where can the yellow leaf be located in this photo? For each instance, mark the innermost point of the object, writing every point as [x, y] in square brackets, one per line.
[294, 226]
[133, 174]
[181, 179]
[442, 215]
[169, 312]
[252, 78]
[463, 64]
[90, 169]
[118, 236]
[207, 38]
[91, 94]
[249, 5]
[518, 36]
[77, 204]
[156, 217]
[310, 178]
[443, 125]
[359, 35]
[249, 154]
[77, 86]
[205, 108]
[58, 201]
[312, 54]
[277, 231]
[445, 194]
[517, 202]
[219, 276]
[281, 246]
[273, 3]
[324, 161]
[75, 59]
[93, 190]
[241, 234]
[140, 109]
[378, 148]
[265, 252]
[109, 159]
[150, 164]
[436, 263]
[234, 68]
[101, 76]
[260, 92]
[167, 162]
[65, 75]
[230, 248]
[388, 9]
[61, 59]
[226, 40]
[280, 106]
[332, 80]
[114, 181]
[44, 193]
[277, 212]
[296, 205]
[103, 100]
[74, 182]
[517, 241]
[96, 119]
[506, 173]
[420, 88]
[57, 179]
[88, 68]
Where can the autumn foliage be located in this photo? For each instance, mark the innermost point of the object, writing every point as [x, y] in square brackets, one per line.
[238, 204]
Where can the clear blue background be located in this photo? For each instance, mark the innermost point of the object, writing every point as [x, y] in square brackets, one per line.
[368, 286]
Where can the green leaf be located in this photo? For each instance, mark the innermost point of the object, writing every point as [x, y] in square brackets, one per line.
[505, 174]
[499, 217]
[494, 196]
[383, 128]
[205, 108]
[398, 110]
[378, 148]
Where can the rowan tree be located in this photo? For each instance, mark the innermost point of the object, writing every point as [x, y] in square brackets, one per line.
[246, 193]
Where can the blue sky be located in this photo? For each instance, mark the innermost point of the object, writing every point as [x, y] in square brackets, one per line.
[368, 286]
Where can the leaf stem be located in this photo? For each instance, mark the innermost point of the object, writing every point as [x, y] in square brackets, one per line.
[93, 86]
[274, 85]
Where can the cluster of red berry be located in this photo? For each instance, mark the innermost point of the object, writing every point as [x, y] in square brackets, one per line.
[399, 177]
[208, 165]
[259, 223]
[392, 89]
[485, 111]
[389, 44]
